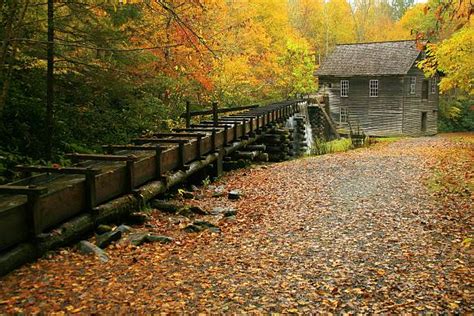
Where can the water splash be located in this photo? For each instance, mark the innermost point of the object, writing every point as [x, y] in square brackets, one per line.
[307, 126]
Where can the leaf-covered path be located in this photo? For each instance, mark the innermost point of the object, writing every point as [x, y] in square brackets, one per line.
[355, 232]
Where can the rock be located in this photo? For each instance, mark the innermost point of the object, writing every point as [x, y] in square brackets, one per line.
[229, 213]
[188, 195]
[101, 229]
[185, 211]
[102, 241]
[222, 210]
[193, 228]
[194, 188]
[124, 229]
[138, 239]
[262, 157]
[197, 210]
[215, 229]
[137, 218]
[89, 248]
[161, 239]
[205, 224]
[234, 195]
[218, 210]
[165, 206]
[199, 226]
[218, 191]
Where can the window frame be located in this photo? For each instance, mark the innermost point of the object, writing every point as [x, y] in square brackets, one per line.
[344, 93]
[343, 113]
[373, 89]
[425, 89]
[434, 85]
[412, 85]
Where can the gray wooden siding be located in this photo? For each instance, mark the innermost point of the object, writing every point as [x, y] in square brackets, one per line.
[414, 106]
[394, 112]
[378, 116]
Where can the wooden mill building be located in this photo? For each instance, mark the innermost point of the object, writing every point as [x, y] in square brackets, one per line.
[378, 88]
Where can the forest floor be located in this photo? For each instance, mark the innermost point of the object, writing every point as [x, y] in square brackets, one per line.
[380, 229]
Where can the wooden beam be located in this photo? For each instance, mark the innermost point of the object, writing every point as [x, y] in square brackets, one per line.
[22, 190]
[60, 170]
[221, 110]
[111, 148]
[79, 157]
[144, 140]
[190, 135]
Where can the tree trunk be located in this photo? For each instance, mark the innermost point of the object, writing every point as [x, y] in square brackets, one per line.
[6, 73]
[4, 49]
[50, 83]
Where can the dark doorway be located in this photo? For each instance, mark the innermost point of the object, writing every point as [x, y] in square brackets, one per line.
[424, 117]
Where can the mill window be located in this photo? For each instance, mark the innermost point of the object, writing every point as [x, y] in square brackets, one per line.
[434, 83]
[412, 85]
[373, 88]
[344, 88]
[343, 114]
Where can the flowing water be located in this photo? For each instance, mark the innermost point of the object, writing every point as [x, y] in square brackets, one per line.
[290, 123]
[307, 126]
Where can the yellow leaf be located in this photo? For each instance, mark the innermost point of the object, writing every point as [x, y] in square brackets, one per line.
[466, 243]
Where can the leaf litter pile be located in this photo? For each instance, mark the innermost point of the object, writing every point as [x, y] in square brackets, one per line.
[383, 229]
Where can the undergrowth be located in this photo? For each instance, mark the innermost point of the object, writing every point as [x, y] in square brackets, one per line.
[339, 145]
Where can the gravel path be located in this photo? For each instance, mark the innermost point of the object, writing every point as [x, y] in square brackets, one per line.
[349, 232]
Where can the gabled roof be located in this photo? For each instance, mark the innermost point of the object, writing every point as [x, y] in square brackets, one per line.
[383, 58]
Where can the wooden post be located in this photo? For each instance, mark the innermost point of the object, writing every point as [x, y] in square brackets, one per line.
[188, 114]
[251, 127]
[181, 161]
[218, 169]
[226, 128]
[213, 140]
[131, 173]
[215, 117]
[199, 147]
[33, 194]
[91, 193]
[158, 165]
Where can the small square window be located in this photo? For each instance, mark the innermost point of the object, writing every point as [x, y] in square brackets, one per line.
[373, 88]
[344, 88]
[434, 83]
[412, 85]
[343, 114]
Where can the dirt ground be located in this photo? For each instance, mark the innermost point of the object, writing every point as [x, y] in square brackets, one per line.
[383, 229]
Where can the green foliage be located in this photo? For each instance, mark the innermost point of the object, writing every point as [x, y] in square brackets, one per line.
[321, 147]
[299, 66]
[9, 159]
[456, 114]
[385, 139]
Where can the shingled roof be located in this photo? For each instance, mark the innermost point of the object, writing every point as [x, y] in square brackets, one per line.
[383, 58]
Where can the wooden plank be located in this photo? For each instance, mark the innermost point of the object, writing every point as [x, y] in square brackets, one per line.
[22, 190]
[60, 170]
[190, 135]
[144, 140]
[221, 110]
[76, 156]
[111, 148]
